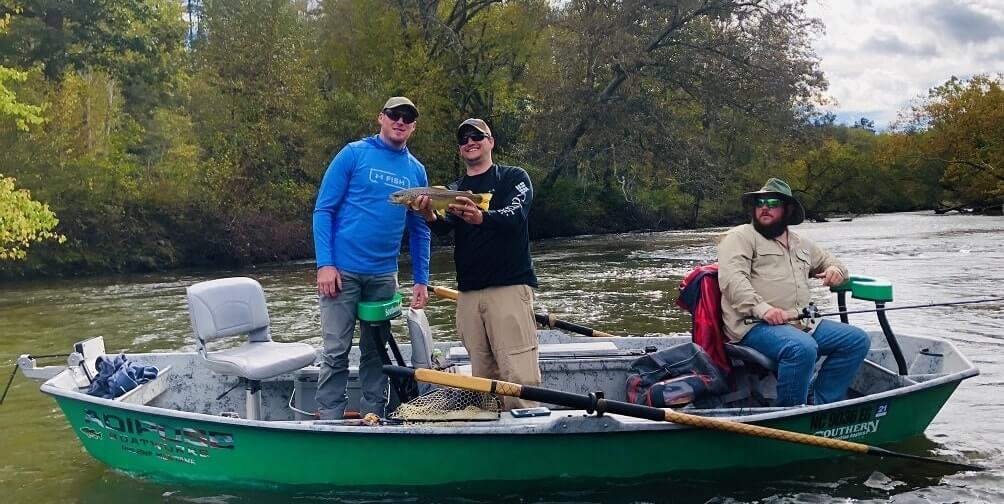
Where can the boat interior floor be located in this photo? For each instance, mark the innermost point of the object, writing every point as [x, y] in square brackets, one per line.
[568, 363]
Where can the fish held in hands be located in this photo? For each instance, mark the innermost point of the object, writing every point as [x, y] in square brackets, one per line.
[440, 197]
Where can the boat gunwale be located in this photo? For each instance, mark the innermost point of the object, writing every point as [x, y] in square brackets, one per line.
[529, 426]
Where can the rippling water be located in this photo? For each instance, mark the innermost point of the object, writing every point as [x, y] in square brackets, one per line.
[622, 284]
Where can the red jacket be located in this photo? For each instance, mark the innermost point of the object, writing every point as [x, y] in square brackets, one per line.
[700, 295]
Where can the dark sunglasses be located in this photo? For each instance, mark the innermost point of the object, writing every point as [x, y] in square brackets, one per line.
[768, 202]
[403, 115]
[477, 137]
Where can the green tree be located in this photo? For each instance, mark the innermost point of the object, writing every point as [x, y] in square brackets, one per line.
[751, 57]
[23, 114]
[959, 126]
[23, 221]
[253, 101]
[137, 41]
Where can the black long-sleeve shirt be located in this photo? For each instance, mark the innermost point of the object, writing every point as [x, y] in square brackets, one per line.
[496, 252]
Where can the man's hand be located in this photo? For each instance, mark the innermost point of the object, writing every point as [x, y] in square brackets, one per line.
[832, 277]
[466, 210]
[423, 205]
[775, 316]
[329, 281]
[419, 296]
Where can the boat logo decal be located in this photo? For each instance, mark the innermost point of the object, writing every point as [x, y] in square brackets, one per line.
[144, 437]
[848, 423]
[91, 433]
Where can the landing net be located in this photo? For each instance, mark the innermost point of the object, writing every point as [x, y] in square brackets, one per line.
[450, 405]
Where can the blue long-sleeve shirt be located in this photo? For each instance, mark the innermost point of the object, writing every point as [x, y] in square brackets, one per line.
[356, 227]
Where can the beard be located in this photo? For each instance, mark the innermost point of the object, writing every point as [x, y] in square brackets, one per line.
[770, 231]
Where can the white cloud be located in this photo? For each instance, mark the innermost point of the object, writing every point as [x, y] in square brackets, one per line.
[878, 55]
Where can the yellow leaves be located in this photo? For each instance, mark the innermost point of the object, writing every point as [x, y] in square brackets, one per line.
[23, 114]
[23, 221]
[963, 119]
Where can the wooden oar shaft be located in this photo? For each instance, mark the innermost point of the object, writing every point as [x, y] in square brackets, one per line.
[547, 320]
[764, 432]
[443, 292]
[586, 402]
[580, 401]
[552, 321]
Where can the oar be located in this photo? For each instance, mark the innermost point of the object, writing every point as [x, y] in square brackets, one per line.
[542, 319]
[593, 403]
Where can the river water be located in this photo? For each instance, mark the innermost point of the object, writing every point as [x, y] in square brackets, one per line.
[622, 284]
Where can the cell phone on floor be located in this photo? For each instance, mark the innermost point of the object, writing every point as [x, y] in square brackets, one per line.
[529, 412]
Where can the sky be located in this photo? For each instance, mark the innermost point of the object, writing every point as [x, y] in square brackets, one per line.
[879, 55]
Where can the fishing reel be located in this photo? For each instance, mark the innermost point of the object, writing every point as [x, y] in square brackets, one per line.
[810, 318]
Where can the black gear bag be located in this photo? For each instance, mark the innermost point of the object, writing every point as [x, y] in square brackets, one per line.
[675, 377]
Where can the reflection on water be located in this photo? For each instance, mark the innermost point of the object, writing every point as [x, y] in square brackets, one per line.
[622, 284]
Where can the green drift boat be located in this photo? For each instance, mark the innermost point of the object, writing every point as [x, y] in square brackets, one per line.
[185, 425]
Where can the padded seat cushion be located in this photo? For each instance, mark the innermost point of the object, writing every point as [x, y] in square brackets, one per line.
[747, 354]
[261, 360]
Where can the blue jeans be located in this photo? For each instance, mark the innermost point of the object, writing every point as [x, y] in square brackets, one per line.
[338, 322]
[795, 352]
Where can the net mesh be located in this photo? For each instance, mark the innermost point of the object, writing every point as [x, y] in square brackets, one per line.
[449, 404]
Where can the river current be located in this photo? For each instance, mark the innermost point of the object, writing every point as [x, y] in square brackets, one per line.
[623, 284]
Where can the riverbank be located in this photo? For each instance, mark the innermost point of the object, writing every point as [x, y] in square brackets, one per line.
[46, 262]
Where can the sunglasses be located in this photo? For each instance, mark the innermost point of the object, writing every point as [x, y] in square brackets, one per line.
[477, 137]
[404, 115]
[768, 202]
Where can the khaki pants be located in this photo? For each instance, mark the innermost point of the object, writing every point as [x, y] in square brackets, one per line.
[498, 329]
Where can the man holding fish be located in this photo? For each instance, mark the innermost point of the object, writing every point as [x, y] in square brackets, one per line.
[357, 240]
[495, 275]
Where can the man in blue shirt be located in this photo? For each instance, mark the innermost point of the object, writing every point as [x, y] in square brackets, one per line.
[357, 239]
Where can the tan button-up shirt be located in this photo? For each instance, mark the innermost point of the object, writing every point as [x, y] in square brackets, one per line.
[756, 274]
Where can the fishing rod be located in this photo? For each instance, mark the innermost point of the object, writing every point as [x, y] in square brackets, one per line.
[812, 311]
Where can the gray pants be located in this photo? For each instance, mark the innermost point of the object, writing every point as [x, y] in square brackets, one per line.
[338, 322]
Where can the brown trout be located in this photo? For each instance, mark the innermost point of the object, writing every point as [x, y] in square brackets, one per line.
[441, 197]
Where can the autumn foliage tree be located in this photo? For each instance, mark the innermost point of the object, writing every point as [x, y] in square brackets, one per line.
[195, 133]
[23, 221]
[958, 126]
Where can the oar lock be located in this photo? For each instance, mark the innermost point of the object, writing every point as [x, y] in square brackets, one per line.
[596, 403]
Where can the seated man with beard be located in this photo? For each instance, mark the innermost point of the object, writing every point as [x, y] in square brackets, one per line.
[764, 269]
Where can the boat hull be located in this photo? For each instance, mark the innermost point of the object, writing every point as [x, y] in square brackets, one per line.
[157, 444]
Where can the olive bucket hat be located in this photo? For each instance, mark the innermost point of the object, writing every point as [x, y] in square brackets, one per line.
[780, 188]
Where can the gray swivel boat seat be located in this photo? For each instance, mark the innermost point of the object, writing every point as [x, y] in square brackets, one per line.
[754, 376]
[232, 306]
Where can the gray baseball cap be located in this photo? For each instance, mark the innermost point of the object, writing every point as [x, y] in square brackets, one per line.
[400, 101]
[477, 124]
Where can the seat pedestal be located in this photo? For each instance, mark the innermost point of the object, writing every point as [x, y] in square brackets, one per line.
[252, 396]
[379, 332]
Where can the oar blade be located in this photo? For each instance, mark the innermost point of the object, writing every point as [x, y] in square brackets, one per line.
[874, 450]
